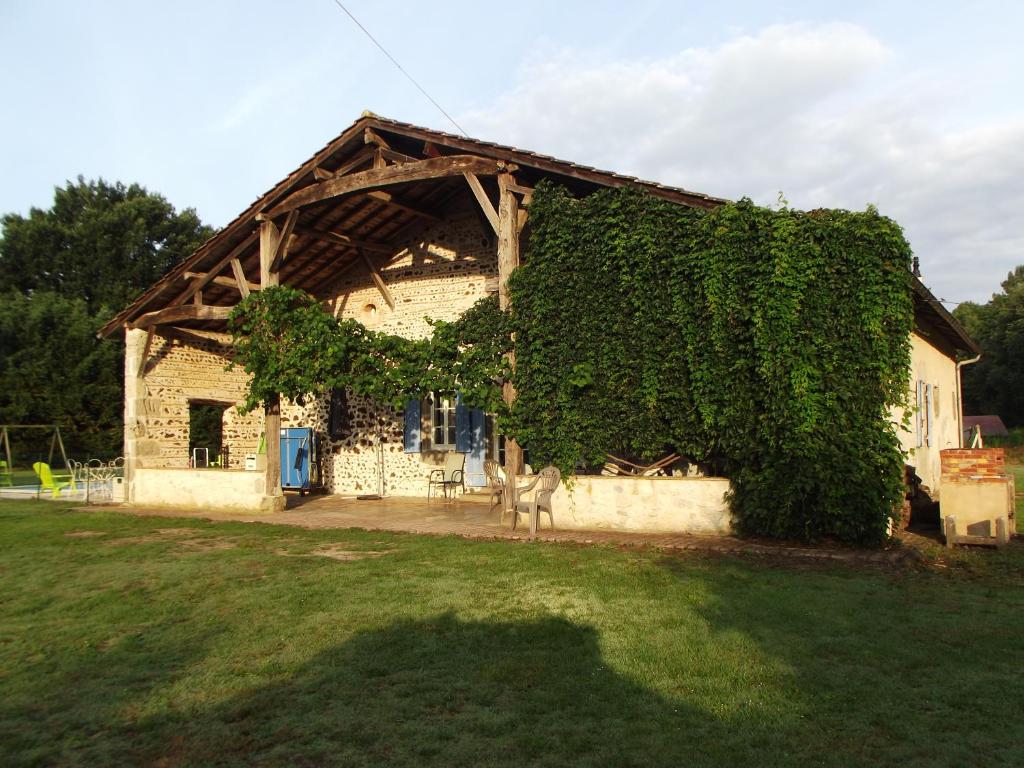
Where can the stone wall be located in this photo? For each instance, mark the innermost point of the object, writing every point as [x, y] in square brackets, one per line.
[439, 273]
[182, 370]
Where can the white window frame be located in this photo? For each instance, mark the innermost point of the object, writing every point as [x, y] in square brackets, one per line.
[442, 407]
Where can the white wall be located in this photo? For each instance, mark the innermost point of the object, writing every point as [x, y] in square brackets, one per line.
[936, 369]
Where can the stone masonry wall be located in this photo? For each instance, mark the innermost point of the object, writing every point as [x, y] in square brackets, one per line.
[181, 371]
[439, 273]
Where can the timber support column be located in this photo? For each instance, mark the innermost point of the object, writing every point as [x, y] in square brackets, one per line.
[274, 500]
[508, 260]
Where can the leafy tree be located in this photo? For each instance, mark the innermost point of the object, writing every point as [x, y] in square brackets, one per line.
[63, 272]
[100, 242]
[996, 383]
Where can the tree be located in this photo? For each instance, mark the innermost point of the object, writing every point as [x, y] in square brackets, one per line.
[100, 242]
[996, 383]
[63, 272]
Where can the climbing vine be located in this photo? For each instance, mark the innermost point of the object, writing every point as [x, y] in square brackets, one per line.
[289, 345]
[768, 345]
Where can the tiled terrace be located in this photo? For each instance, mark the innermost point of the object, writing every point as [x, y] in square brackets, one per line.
[472, 517]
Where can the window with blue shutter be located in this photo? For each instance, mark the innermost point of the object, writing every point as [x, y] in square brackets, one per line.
[477, 448]
[412, 426]
[462, 426]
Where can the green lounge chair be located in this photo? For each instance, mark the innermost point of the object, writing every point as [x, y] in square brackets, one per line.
[6, 476]
[49, 482]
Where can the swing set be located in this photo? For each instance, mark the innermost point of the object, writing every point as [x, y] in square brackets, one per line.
[43, 470]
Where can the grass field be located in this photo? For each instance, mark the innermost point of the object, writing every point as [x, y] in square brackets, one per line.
[166, 642]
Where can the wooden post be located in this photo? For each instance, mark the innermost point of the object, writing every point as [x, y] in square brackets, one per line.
[269, 239]
[508, 260]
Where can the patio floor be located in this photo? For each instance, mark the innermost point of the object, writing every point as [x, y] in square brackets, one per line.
[471, 516]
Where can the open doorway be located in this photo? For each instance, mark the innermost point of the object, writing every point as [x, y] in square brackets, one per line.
[206, 434]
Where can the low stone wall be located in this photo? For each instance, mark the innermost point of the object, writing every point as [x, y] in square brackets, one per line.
[202, 488]
[643, 504]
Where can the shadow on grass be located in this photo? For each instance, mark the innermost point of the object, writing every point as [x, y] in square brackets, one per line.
[446, 692]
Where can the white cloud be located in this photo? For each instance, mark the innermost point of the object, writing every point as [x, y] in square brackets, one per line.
[818, 111]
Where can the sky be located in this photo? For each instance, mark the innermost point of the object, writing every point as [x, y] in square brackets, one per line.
[915, 108]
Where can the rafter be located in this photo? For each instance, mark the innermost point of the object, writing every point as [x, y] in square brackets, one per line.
[182, 312]
[378, 279]
[202, 282]
[481, 197]
[227, 282]
[363, 156]
[421, 170]
[243, 285]
[340, 239]
[284, 241]
[388, 199]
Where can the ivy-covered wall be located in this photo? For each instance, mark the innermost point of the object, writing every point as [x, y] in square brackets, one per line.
[770, 345]
[767, 344]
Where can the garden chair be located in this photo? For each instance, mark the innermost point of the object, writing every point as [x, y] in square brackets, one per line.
[451, 476]
[49, 482]
[495, 482]
[617, 466]
[547, 480]
[6, 476]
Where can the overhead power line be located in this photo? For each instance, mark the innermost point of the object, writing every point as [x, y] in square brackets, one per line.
[401, 69]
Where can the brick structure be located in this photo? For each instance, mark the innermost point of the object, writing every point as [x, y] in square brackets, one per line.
[977, 464]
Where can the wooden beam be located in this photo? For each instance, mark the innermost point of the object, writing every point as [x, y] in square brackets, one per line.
[378, 279]
[182, 312]
[520, 189]
[388, 199]
[508, 260]
[145, 352]
[397, 157]
[340, 239]
[269, 237]
[521, 220]
[363, 156]
[283, 241]
[370, 136]
[378, 159]
[227, 282]
[243, 285]
[202, 282]
[421, 170]
[483, 199]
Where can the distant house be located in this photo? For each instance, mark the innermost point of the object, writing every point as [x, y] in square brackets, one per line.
[389, 223]
[991, 426]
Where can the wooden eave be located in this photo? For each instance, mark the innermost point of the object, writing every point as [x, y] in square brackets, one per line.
[364, 145]
[934, 323]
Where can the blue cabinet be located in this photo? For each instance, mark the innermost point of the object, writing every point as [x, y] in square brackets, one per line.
[300, 467]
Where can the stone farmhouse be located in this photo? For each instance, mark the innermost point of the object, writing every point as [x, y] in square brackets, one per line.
[390, 224]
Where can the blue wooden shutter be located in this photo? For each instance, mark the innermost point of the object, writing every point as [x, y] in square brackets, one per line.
[412, 426]
[462, 427]
[918, 414]
[477, 449]
[928, 404]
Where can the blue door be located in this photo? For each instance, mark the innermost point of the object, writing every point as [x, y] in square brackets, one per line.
[296, 444]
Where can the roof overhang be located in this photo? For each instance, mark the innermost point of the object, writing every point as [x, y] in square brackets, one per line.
[935, 324]
[361, 192]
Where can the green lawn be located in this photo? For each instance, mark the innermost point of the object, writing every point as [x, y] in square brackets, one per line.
[178, 642]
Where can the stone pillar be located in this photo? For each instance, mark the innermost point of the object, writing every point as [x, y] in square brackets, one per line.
[138, 406]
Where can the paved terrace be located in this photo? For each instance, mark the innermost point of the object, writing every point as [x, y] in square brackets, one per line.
[472, 517]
